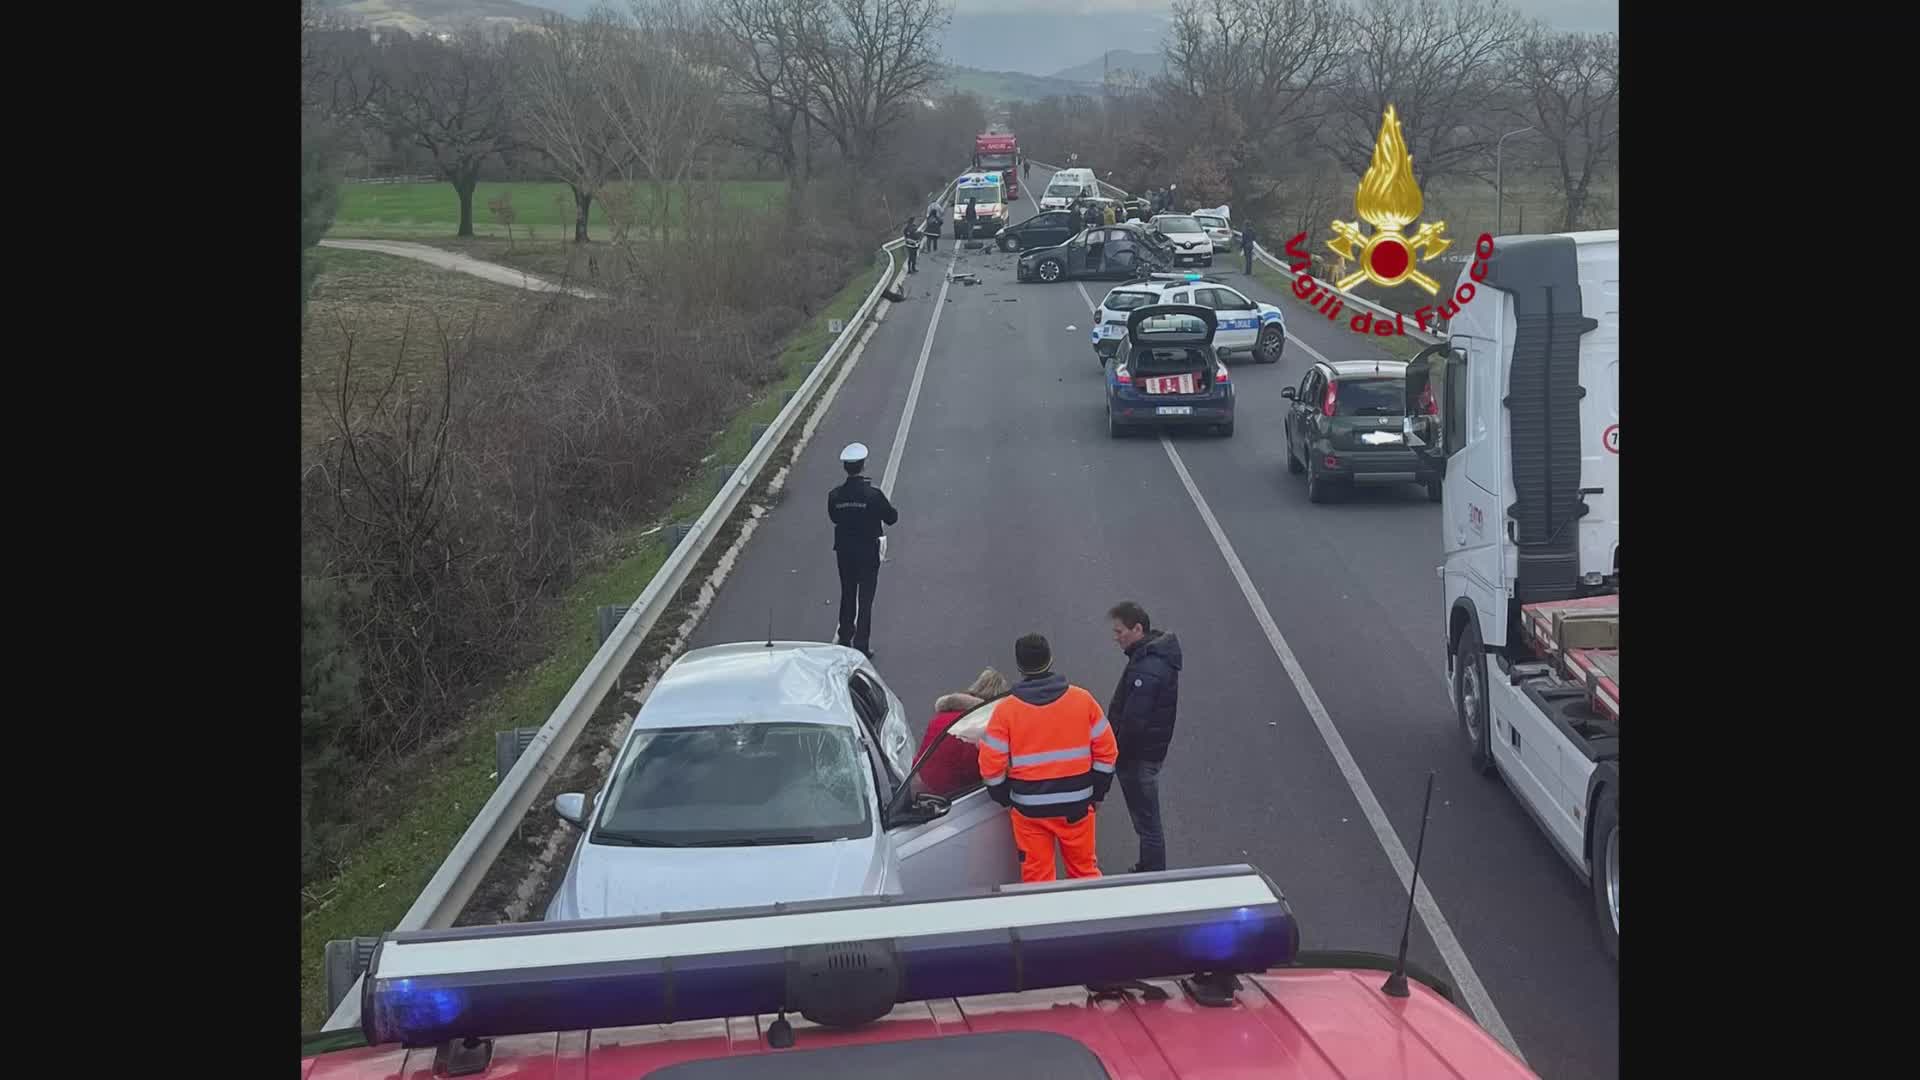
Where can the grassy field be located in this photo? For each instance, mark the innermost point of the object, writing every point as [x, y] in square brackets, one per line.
[446, 785]
[377, 301]
[542, 211]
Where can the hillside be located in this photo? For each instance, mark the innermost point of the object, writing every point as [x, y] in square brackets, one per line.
[439, 16]
[1004, 86]
[1145, 65]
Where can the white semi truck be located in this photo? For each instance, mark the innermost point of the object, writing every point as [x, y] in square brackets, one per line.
[1530, 432]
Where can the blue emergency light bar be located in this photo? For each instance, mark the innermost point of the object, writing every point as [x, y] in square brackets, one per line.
[833, 961]
[1180, 277]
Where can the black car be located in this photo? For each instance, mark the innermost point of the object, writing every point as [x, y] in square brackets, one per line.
[1120, 252]
[1347, 425]
[1049, 228]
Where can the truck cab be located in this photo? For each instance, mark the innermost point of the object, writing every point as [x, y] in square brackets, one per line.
[1529, 377]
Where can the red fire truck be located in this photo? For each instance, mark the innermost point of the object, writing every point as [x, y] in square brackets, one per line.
[1069, 979]
[999, 153]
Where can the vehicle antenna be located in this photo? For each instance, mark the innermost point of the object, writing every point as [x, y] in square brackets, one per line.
[1396, 984]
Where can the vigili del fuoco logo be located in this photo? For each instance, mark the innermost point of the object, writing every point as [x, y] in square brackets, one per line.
[1389, 200]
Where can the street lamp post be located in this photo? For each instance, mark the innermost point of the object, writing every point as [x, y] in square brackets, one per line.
[1499, 193]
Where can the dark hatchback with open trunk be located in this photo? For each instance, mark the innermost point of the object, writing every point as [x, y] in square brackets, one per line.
[1167, 373]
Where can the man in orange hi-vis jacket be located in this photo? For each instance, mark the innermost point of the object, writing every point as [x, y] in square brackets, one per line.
[1048, 756]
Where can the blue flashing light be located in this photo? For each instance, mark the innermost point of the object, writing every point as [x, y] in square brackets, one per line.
[1192, 277]
[507, 980]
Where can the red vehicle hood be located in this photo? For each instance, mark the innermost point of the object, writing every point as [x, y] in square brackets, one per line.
[1297, 1023]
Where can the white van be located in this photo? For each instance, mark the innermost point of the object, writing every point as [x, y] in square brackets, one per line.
[1067, 186]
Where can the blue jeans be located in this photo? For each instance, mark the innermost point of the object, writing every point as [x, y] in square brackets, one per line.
[1140, 784]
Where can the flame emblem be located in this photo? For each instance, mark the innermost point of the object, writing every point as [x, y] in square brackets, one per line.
[1389, 199]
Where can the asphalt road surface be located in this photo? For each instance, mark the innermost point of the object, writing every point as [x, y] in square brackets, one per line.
[1018, 513]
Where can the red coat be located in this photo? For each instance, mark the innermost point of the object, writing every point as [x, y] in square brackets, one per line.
[955, 767]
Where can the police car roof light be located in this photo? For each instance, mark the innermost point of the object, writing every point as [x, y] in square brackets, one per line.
[427, 987]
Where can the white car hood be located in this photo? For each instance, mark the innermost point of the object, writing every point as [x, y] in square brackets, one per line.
[607, 881]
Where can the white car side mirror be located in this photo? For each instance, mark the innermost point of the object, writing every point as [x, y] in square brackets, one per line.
[572, 807]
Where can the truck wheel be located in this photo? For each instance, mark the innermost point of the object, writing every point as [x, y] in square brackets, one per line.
[1470, 698]
[1606, 871]
[345, 960]
[1048, 270]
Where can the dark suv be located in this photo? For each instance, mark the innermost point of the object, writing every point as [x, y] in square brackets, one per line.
[1348, 423]
[1100, 251]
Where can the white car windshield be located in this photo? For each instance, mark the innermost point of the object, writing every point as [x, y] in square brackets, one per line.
[1177, 225]
[1063, 191]
[739, 785]
[986, 193]
[1211, 222]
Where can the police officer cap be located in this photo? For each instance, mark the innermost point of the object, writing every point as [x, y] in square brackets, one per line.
[854, 452]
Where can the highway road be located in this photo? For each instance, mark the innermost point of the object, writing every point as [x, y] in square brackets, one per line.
[1313, 700]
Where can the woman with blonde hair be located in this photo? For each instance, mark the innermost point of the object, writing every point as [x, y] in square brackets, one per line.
[955, 767]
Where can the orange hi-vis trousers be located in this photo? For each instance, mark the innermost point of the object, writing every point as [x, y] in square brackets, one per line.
[1035, 838]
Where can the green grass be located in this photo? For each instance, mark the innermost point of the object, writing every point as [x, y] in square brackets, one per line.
[542, 210]
[450, 782]
[371, 297]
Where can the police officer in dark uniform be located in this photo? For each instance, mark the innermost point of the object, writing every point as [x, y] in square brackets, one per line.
[858, 510]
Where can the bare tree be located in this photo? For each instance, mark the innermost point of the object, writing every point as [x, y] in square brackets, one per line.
[1241, 75]
[452, 99]
[566, 116]
[763, 63]
[663, 85]
[1440, 64]
[862, 62]
[1570, 84]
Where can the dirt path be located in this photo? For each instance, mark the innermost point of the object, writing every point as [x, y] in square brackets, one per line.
[465, 264]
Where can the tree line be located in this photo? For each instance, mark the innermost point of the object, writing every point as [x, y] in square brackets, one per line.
[1273, 106]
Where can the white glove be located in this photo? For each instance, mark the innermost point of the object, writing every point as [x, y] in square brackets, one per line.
[883, 549]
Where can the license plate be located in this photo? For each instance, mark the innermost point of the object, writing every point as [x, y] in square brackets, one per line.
[1174, 410]
[1380, 438]
[1171, 384]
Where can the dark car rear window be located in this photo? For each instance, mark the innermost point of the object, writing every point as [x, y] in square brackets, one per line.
[1175, 323]
[1169, 361]
[1370, 397]
[1127, 301]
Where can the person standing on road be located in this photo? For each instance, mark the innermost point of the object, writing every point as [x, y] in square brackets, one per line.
[1142, 711]
[1247, 240]
[911, 234]
[1026, 168]
[973, 216]
[932, 228]
[1048, 757]
[858, 510]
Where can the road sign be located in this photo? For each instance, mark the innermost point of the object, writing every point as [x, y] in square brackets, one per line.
[1610, 438]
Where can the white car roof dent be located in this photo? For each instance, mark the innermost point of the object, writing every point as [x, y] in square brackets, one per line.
[793, 681]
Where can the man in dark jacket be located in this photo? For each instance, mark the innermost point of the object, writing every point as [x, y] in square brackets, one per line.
[973, 217]
[858, 510]
[1142, 713]
[910, 232]
[1247, 240]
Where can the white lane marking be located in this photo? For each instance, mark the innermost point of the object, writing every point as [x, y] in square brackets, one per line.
[1443, 938]
[919, 376]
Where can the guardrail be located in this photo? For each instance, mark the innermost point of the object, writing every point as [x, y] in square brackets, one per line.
[440, 903]
[1284, 269]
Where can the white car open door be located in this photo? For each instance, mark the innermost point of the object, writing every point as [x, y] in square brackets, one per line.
[969, 846]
